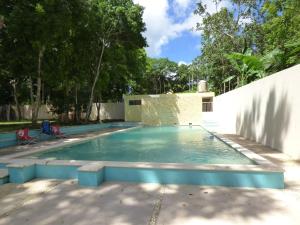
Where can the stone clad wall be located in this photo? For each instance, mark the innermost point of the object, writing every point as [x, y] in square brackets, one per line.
[166, 109]
[133, 113]
[172, 109]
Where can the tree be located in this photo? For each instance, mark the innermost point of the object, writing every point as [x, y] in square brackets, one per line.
[268, 29]
[114, 23]
[66, 52]
[282, 33]
[160, 76]
[36, 35]
[220, 37]
[249, 67]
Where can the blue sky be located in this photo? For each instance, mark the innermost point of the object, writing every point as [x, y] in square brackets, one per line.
[184, 48]
[171, 28]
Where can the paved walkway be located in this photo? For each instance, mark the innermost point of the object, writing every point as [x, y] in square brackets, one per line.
[44, 202]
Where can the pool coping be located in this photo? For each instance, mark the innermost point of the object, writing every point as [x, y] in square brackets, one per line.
[92, 173]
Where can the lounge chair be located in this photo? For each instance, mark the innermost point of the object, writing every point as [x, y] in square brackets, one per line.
[53, 130]
[56, 131]
[23, 137]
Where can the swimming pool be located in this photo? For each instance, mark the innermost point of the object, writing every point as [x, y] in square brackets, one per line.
[164, 155]
[192, 145]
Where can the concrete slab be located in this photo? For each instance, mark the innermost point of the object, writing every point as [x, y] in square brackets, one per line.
[3, 173]
[46, 202]
[213, 205]
[67, 203]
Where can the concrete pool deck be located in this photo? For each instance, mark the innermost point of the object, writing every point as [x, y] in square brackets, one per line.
[47, 202]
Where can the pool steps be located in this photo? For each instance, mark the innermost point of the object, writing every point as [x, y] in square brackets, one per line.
[4, 177]
[21, 172]
[92, 174]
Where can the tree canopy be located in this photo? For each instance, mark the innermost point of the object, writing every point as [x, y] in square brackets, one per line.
[249, 40]
[71, 53]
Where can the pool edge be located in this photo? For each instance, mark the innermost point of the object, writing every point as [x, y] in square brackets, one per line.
[263, 175]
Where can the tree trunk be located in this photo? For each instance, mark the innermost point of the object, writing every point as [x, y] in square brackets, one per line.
[159, 86]
[77, 113]
[37, 102]
[192, 82]
[18, 111]
[89, 108]
[8, 112]
[31, 91]
[98, 105]
[43, 93]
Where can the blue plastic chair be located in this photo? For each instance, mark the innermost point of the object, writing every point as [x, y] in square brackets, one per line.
[46, 128]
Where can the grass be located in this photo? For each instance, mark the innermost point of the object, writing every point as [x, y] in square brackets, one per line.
[8, 123]
[15, 125]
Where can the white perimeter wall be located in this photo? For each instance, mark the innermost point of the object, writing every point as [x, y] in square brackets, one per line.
[266, 111]
[44, 112]
[108, 111]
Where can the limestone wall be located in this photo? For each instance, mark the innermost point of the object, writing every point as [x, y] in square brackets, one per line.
[172, 109]
[133, 113]
[166, 109]
[266, 111]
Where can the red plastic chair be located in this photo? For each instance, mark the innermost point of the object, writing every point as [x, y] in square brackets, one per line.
[23, 137]
[56, 131]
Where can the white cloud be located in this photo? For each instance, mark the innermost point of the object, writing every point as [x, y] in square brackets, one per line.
[211, 6]
[245, 20]
[161, 26]
[180, 7]
[183, 63]
[183, 3]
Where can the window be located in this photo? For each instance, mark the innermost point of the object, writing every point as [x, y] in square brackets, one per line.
[135, 102]
[207, 104]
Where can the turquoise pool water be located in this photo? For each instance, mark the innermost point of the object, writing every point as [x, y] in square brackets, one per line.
[152, 144]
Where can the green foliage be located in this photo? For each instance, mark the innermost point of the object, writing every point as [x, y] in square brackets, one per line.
[282, 32]
[60, 42]
[72, 52]
[271, 34]
[163, 76]
[249, 67]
